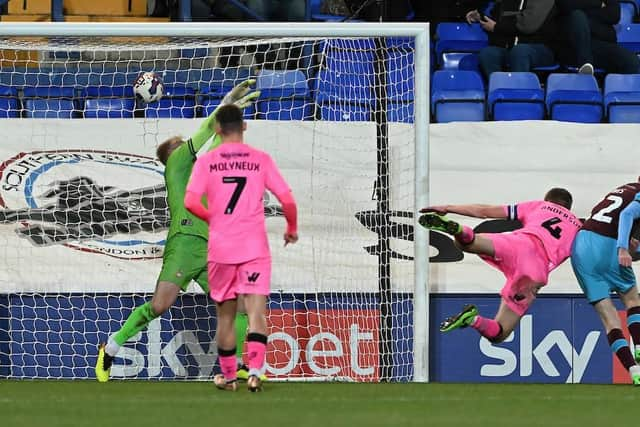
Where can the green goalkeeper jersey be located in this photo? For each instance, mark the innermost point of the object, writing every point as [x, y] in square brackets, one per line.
[176, 178]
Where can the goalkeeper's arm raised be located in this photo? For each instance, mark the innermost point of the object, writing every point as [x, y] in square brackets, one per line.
[241, 95]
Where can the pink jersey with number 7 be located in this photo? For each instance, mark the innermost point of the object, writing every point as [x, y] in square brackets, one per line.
[234, 177]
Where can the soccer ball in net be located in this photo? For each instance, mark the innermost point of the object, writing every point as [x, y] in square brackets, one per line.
[148, 87]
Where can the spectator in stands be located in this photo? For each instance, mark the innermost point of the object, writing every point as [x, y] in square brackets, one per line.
[591, 39]
[215, 10]
[279, 10]
[437, 11]
[521, 33]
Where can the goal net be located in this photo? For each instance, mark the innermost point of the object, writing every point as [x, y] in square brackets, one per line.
[84, 216]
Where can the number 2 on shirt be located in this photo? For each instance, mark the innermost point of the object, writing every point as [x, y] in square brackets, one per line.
[240, 182]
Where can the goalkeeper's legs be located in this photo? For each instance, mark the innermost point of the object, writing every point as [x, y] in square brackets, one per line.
[164, 297]
[241, 324]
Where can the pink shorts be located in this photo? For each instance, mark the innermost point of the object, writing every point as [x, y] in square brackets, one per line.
[227, 281]
[523, 261]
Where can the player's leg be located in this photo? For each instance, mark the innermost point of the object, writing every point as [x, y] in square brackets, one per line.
[254, 284]
[164, 297]
[226, 339]
[495, 330]
[223, 290]
[631, 301]
[241, 324]
[618, 343]
[506, 319]
[595, 263]
[184, 258]
[256, 306]
[623, 281]
[466, 239]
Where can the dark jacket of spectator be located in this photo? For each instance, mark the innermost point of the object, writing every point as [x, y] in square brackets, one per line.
[536, 22]
[601, 19]
[436, 11]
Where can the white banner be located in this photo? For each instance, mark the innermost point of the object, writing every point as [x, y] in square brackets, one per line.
[508, 162]
[83, 205]
[82, 200]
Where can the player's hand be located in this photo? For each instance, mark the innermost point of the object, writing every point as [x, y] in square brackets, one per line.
[290, 238]
[624, 257]
[473, 16]
[241, 95]
[487, 24]
[440, 210]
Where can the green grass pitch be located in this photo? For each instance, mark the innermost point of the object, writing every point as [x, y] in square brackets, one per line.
[190, 404]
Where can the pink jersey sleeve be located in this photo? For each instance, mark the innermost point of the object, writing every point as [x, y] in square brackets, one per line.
[198, 180]
[273, 178]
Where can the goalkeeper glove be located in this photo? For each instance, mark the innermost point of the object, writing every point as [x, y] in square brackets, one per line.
[241, 95]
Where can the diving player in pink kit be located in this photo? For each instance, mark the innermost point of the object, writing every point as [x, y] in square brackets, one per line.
[233, 177]
[525, 256]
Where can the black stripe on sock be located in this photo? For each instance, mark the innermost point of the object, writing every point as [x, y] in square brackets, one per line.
[254, 336]
[633, 310]
[623, 353]
[615, 334]
[223, 352]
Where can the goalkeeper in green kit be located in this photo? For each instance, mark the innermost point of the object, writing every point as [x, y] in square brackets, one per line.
[185, 253]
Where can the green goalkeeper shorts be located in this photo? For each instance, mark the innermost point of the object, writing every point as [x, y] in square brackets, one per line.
[184, 260]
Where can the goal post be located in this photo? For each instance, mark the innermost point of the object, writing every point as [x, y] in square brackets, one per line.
[351, 129]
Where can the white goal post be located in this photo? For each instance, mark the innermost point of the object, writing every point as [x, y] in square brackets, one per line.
[43, 293]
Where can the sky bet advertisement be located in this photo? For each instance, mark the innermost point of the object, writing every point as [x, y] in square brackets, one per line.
[334, 337]
[559, 341]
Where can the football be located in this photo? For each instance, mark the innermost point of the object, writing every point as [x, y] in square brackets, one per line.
[148, 87]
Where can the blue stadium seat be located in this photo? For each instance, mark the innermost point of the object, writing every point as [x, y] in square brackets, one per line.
[469, 62]
[622, 98]
[108, 102]
[284, 95]
[515, 96]
[400, 75]
[50, 108]
[457, 96]
[401, 112]
[220, 79]
[627, 11]
[344, 96]
[400, 85]
[49, 92]
[179, 101]
[109, 108]
[574, 98]
[629, 37]
[634, 3]
[345, 111]
[349, 56]
[8, 102]
[456, 40]
[108, 92]
[50, 102]
[402, 43]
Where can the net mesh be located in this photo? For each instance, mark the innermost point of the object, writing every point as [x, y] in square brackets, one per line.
[84, 216]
